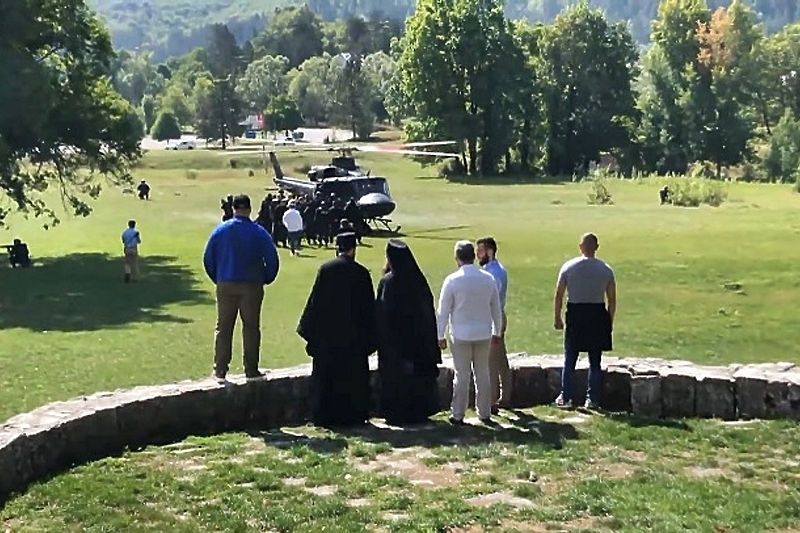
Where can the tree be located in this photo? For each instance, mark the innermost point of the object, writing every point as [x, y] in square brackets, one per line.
[216, 109]
[148, 112]
[263, 80]
[380, 70]
[62, 124]
[282, 114]
[352, 97]
[224, 57]
[166, 127]
[309, 86]
[782, 163]
[589, 66]
[293, 32]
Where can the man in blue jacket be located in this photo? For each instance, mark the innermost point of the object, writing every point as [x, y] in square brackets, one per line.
[240, 258]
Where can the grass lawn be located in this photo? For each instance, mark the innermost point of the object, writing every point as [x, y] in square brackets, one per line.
[542, 470]
[70, 326]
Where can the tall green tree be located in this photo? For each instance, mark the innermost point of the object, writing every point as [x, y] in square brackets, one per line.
[60, 115]
[588, 70]
[263, 80]
[353, 97]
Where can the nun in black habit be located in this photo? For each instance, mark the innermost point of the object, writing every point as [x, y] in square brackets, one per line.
[408, 348]
[338, 325]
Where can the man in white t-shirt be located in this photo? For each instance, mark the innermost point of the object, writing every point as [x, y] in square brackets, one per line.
[293, 221]
[131, 239]
[588, 282]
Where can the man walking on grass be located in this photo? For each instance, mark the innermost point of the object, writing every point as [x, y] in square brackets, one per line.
[588, 282]
[131, 239]
[240, 258]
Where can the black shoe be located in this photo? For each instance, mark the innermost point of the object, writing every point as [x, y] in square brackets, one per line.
[456, 421]
[127, 278]
[219, 377]
[487, 420]
[254, 376]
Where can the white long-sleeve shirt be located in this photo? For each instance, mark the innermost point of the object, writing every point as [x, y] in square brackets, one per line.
[293, 220]
[470, 304]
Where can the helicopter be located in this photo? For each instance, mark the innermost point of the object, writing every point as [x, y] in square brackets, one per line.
[370, 193]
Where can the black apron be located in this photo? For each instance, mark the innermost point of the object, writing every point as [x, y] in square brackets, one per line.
[588, 328]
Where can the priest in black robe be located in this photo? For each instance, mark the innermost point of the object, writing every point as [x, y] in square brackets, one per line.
[408, 347]
[338, 325]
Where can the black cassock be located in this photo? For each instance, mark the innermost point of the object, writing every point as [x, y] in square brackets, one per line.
[338, 325]
[408, 350]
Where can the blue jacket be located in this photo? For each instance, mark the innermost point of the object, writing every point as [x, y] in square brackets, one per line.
[239, 250]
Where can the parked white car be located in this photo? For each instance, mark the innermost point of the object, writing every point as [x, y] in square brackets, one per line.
[184, 144]
[286, 141]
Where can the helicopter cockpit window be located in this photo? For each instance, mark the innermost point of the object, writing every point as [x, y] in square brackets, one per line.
[347, 163]
[373, 185]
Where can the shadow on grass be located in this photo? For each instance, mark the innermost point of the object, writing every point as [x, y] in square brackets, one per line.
[643, 422]
[85, 292]
[523, 429]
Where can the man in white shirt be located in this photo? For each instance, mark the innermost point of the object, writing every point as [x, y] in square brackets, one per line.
[293, 221]
[470, 304]
[131, 239]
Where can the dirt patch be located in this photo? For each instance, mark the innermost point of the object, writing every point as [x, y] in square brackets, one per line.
[294, 481]
[408, 464]
[485, 500]
[633, 456]
[700, 472]
[322, 490]
[395, 517]
[359, 502]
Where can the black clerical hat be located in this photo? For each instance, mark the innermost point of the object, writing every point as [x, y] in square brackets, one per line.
[346, 241]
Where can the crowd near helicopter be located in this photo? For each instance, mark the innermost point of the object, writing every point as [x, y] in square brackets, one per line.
[346, 180]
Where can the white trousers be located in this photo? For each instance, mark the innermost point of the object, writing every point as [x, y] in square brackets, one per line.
[471, 357]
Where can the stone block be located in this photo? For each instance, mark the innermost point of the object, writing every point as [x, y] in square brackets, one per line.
[616, 394]
[529, 384]
[646, 395]
[782, 396]
[751, 393]
[715, 394]
[15, 464]
[678, 392]
[552, 366]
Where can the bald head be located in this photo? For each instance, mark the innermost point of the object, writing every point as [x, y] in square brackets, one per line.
[589, 244]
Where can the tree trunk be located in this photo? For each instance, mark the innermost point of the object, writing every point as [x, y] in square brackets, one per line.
[473, 155]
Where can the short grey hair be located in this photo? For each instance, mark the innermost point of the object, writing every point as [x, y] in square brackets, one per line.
[465, 251]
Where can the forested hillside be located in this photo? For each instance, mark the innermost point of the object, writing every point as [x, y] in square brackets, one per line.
[174, 27]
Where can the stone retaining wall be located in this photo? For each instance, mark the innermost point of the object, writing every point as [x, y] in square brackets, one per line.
[43, 442]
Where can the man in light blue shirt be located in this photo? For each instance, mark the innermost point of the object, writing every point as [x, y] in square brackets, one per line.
[131, 239]
[499, 371]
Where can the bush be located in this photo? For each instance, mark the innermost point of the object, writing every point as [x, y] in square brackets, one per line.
[191, 174]
[165, 127]
[599, 194]
[694, 192]
[250, 173]
[233, 162]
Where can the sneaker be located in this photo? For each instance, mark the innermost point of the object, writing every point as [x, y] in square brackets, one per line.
[561, 404]
[456, 421]
[495, 409]
[219, 378]
[592, 406]
[255, 376]
[487, 421]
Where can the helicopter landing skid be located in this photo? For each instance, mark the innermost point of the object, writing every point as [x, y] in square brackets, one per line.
[384, 224]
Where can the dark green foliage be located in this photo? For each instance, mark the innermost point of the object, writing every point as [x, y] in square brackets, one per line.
[282, 114]
[166, 127]
[59, 112]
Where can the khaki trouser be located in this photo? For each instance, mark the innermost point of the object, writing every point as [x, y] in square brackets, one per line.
[471, 357]
[499, 371]
[132, 262]
[244, 300]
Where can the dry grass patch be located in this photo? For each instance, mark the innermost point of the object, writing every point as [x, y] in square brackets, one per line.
[408, 464]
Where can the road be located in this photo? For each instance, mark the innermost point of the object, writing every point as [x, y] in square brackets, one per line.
[312, 135]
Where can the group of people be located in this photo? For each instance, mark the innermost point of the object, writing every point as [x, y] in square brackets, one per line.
[345, 320]
[290, 219]
[18, 254]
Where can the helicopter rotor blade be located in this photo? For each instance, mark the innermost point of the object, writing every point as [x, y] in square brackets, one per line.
[431, 143]
[375, 149]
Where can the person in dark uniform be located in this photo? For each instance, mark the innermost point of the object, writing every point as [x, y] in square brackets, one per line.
[279, 232]
[321, 218]
[663, 193]
[588, 282]
[18, 254]
[226, 204]
[264, 218]
[144, 190]
[353, 214]
[335, 216]
[307, 212]
[338, 325]
[408, 344]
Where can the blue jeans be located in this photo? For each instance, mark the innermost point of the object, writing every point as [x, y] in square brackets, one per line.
[595, 374]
